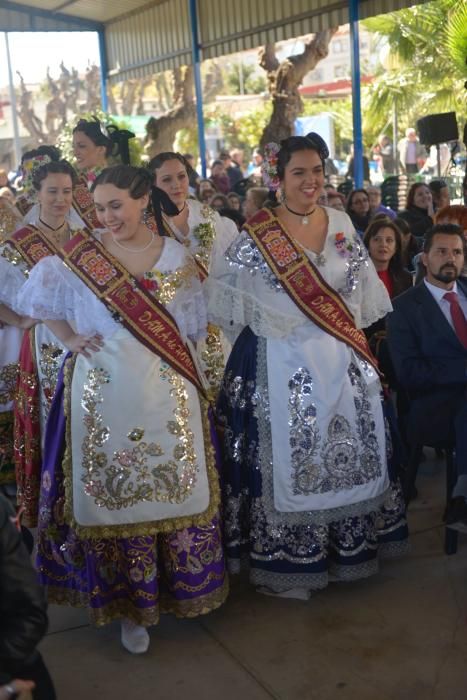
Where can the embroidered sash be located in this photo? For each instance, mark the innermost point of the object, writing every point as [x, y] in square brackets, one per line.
[130, 303]
[304, 284]
[202, 269]
[31, 244]
[83, 202]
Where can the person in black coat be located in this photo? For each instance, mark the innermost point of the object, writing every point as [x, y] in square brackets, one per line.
[358, 208]
[418, 212]
[427, 337]
[23, 613]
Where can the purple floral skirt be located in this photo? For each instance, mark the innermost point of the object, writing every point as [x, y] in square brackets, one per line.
[182, 572]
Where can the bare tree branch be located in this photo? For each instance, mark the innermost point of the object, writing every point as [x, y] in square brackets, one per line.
[268, 59]
[285, 78]
[161, 132]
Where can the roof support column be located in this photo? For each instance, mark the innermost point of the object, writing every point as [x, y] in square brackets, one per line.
[356, 99]
[14, 110]
[196, 54]
[104, 70]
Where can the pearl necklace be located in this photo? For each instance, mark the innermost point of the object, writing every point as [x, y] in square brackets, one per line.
[134, 250]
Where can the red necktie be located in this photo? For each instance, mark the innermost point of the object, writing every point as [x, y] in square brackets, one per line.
[458, 318]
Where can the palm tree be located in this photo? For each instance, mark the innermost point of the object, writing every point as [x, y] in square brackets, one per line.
[421, 72]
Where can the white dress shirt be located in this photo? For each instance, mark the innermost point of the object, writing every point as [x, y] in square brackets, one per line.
[438, 294]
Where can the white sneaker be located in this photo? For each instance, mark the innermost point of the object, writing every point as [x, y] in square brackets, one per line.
[135, 638]
[295, 593]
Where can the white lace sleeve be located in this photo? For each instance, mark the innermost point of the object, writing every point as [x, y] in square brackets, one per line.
[46, 295]
[54, 293]
[13, 274]
[242, 291]
[226, 233]
[232, 309]
[188, 305]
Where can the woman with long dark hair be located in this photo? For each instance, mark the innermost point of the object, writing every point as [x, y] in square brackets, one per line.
[384, 243]
[418, 210]
[358, 209]
[307, 497]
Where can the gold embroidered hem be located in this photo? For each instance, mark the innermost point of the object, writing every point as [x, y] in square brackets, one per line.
[119, 609]
[115, 610]
[142, 528]
[202, 605]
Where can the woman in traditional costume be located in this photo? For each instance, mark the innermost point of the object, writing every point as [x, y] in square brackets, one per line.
[128, 523]
[10, 342]
[307, 495]
[34, 352]
[206, 235]
[30, 162]
[93, 144]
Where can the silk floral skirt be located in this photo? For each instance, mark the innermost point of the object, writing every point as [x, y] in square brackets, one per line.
[181, 572]
[299, 549]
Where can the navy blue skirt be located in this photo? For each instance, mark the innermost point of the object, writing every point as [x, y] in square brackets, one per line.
[289, 550]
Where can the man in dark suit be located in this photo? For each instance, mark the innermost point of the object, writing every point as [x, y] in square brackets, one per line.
[427, 338]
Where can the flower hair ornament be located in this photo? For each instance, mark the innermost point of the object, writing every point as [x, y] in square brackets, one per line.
[29, 169]
[269, 166]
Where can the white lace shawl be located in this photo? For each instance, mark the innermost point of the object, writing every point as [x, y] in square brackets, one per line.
[54, 292]
[12, 275]
[241, 289]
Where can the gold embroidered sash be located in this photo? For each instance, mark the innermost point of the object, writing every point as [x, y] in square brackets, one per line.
[130, 303]
[31, 244]
[202, 269]
[304, 284]
[83, 202]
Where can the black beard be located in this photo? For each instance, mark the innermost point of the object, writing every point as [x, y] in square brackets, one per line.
[444, 278]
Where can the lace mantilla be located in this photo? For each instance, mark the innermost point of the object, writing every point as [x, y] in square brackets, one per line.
[53, 292]
[13, 274]
[233, 309]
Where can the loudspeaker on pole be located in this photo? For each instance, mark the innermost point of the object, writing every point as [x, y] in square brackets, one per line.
[437, 128]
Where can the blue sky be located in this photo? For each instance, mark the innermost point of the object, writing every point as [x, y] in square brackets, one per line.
[32, 52]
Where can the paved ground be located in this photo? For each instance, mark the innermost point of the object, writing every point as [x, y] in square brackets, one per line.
[401, 635]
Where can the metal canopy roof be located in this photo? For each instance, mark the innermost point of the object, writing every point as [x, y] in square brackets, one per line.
[144, 37]
[68, 11]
